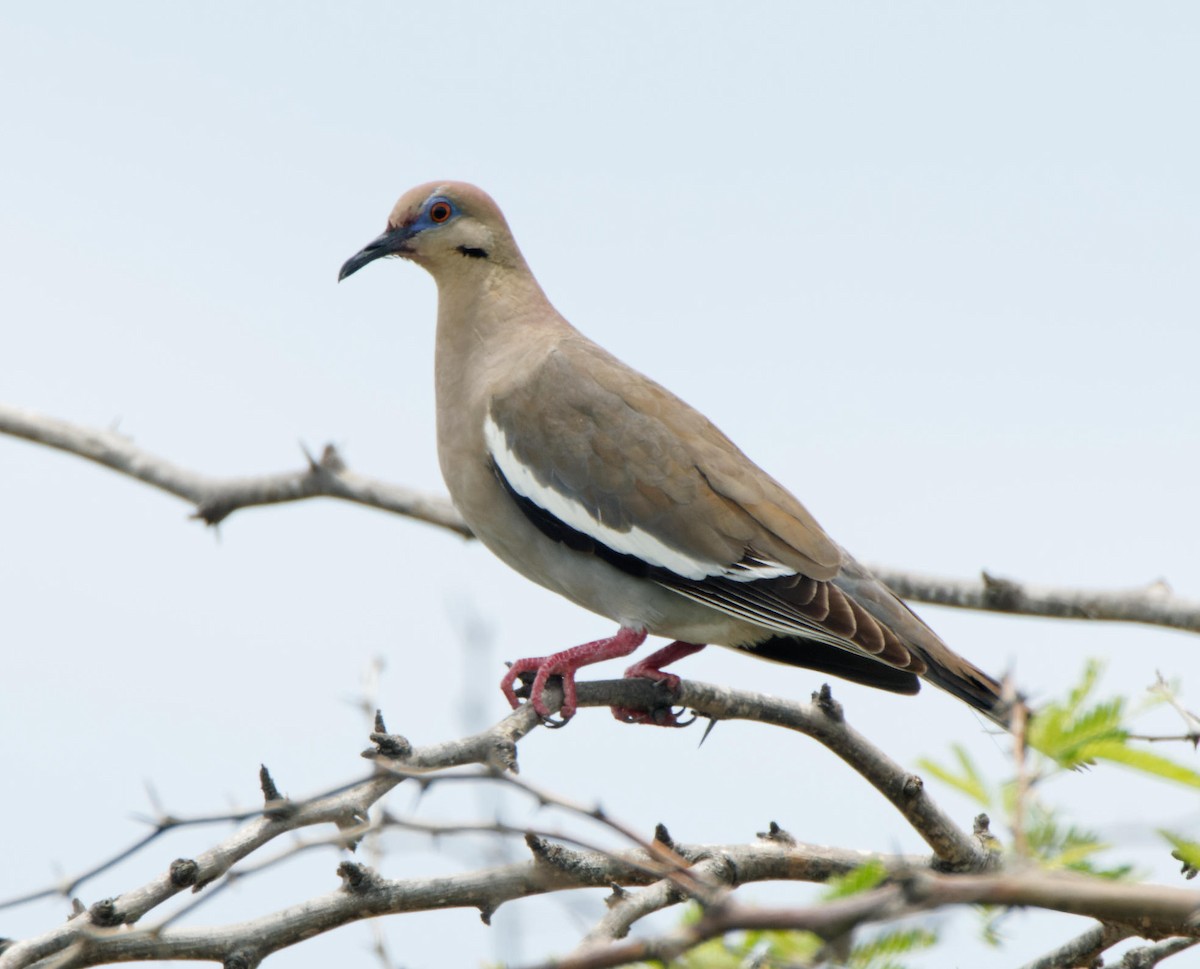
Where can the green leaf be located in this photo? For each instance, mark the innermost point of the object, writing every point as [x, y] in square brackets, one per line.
[1060, 733]
[1091, 675]
[861, 879]
[1186, 851]
[1142, 760]
[880, 952]
[966, 779]
[1058, 845]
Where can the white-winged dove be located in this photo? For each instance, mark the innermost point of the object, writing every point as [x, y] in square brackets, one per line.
[594, 481]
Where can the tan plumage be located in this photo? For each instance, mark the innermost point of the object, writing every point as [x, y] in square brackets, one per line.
[598, 483]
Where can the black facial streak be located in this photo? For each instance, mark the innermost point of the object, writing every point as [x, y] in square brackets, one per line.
[473, 253]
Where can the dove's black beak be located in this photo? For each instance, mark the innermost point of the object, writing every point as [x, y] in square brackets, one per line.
[394, 242]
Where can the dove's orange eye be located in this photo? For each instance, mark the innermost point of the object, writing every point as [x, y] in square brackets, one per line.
[440, 211]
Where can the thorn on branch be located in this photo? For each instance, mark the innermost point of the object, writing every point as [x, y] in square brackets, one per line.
[275, 803]
[662, 835]
[775, 833]
[184, 872]
[390, 745]
[358, 879]
[617, 897]
[550, 853]
[269, 790]
[104, 914]
[825, 702]
[332, 460]
[240, 959]
[1001, 595]
[539, 846]
[982, 830]
[313, 464]
[212, 511]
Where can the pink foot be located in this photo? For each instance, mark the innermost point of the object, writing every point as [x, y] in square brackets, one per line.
[565, 664]
[650, 668]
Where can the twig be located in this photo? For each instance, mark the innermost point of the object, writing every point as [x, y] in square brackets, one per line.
[824, 722]
[812, 863]
[217, 498]
[1083, 949]
[1154, 604]
[1166, 910]
[367, 895]
[1190, 721]
[106, 932]
[1021, 794]
[1148, 956]
[494, 747]
[68, 886]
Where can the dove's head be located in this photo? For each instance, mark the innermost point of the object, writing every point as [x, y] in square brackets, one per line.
[450, 228]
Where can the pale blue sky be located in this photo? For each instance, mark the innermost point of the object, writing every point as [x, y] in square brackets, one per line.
[934, 267]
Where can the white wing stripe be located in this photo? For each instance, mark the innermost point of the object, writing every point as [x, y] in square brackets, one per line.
[635, 541]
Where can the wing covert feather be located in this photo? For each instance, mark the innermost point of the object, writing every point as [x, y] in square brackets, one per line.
[634, 455]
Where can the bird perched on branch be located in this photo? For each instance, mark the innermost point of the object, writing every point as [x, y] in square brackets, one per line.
[594, 481]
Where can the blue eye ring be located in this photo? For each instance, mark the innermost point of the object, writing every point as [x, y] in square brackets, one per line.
[440, 212]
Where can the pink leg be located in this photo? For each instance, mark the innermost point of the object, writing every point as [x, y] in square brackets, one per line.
[650, 668]
[565, 664]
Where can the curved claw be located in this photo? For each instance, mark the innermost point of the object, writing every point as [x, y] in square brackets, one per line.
[658, 717]
[683, 723]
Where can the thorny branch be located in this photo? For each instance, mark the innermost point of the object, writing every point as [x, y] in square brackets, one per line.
[328, 477]
[217, 498]
[1161, 910]
[961, 870]
[664, 872]
[1084, 949]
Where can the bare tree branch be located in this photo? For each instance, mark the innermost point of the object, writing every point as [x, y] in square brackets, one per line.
[107, 931]
[1153, 605]
[1148, 956]
[1158, 910]
[328, 477]
[823, 720]
[1083, 950]
[496, 748]
[217, 498]
[364, 894]
[347, 808]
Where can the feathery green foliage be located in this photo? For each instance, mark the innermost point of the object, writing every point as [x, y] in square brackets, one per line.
[1185, 851]
[1078, 732]
[1075, 734]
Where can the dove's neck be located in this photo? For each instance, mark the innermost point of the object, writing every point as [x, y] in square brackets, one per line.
[495, 325]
